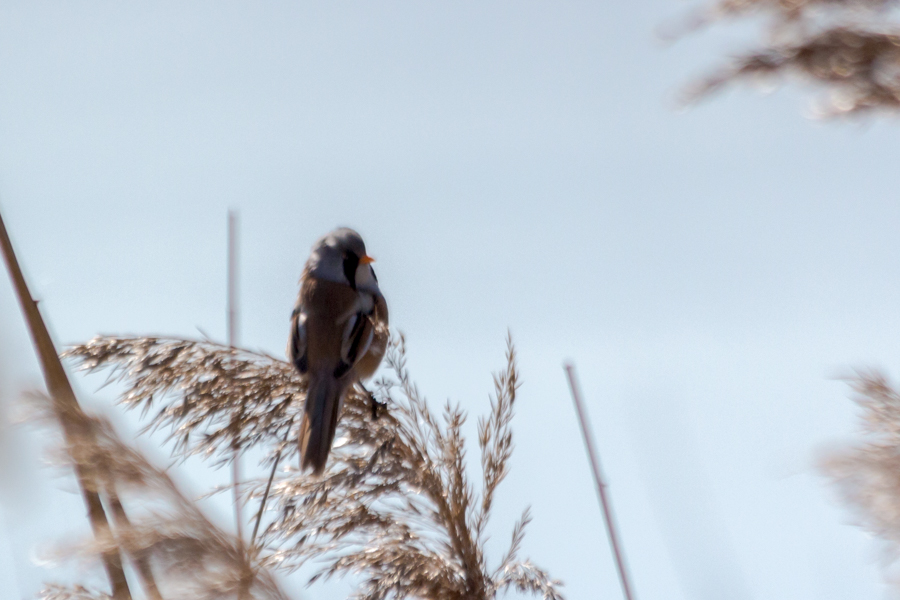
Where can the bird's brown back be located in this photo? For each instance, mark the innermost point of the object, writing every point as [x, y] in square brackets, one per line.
[323, 301]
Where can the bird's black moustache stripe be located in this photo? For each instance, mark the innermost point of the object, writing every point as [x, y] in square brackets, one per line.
[351, 262]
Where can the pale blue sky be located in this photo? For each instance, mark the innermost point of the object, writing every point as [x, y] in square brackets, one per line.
[511, 165]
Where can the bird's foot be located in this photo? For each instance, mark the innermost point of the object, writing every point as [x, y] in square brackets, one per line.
[373, 402]
[376, 405]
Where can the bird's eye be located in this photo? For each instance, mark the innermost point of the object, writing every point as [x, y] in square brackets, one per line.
[351, 262]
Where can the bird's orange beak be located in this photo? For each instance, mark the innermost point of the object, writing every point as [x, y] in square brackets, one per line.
[366, 259]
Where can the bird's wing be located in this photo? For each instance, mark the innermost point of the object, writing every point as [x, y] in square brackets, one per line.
[355, 342]
[297, 346]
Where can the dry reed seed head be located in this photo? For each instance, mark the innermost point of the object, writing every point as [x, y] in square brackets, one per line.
[867, 474]
[209, 397]
[861, 68]
[77, 592]
[394, 504]
[867, 482]
[410, 521]
[880, 405]
[850, 48]
[792, 11]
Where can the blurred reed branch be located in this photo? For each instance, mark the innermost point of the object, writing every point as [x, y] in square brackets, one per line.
[162, 530]
[65, 404]
[394, 506]
[867, 473]
[849, 48]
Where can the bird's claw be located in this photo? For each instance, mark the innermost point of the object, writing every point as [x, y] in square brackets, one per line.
[376, 405]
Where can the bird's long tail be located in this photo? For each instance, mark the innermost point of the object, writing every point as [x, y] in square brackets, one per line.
[323, 405]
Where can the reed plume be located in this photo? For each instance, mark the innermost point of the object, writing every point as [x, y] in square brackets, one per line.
[394, 506]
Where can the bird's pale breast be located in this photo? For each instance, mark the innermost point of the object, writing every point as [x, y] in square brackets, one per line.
[368, 364]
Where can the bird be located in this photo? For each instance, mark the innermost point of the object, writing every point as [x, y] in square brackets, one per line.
[338, 336]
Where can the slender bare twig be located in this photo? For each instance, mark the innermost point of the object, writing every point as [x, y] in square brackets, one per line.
[601, 487]
[64, 402]
[265, 496]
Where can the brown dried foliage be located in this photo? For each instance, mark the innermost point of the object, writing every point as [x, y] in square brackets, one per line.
[851, 48]
[394, 506]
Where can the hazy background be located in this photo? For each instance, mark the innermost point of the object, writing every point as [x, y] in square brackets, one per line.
[511, 165]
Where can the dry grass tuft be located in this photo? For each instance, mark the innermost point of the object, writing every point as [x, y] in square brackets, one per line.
[394, 506]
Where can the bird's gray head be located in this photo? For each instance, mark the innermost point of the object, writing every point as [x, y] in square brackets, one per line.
[340, 256]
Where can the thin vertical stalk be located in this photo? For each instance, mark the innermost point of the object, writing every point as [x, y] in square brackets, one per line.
[247, 574]
[232, 342]
[601, 486]
[65, 404]
[265, 496]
